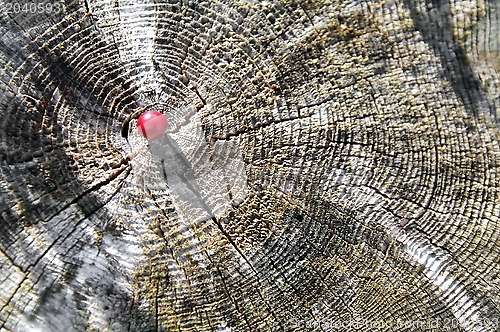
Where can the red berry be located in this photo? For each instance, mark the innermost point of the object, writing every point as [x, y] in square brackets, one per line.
[152, 125]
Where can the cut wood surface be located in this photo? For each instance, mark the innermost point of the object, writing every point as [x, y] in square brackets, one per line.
[369, 134]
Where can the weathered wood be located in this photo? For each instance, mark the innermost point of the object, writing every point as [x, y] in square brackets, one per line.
[369, 131]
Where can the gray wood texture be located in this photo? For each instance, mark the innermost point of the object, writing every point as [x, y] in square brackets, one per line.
[369, 133]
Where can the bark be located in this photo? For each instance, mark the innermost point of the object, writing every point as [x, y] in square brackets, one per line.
[369, 135]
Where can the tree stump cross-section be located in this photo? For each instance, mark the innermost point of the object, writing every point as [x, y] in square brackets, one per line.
[368, 135]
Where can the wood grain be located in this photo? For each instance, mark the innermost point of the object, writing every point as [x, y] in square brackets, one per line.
[369, 133]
